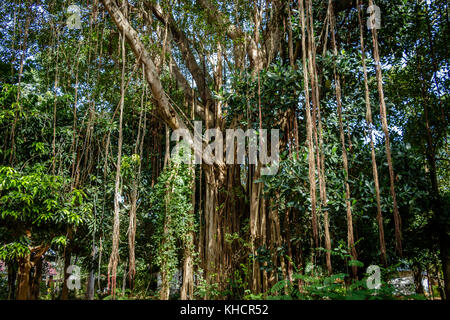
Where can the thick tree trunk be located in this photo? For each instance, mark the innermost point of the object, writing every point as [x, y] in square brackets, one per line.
[24, 289]
[211, 239]
[187, 289]
[28, 285]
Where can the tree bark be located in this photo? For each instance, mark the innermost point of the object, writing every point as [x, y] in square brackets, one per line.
[114, 258]
[23, 290]
[309, 128]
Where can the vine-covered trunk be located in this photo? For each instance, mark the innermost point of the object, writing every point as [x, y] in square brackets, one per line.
[165, 276]
[132, 234]
[309, 127]
[114, 258]
[187, 288]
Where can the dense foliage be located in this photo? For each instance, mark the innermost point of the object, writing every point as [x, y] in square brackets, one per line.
[86, 172]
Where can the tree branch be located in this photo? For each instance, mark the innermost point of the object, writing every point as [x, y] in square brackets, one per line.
[164, 108]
